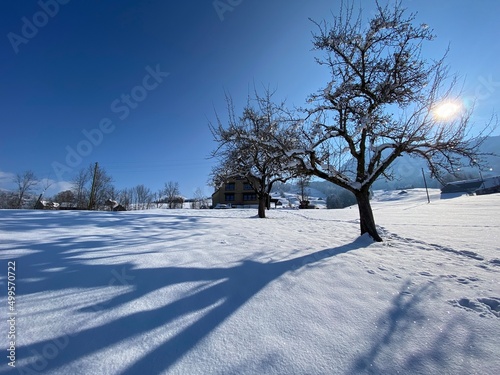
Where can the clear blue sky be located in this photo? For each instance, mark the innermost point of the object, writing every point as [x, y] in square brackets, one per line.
[148, 74]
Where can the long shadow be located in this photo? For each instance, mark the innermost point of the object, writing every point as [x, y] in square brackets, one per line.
[224, 292]
[33, 220]
[70, 255]
[396, 322]
[397, 329]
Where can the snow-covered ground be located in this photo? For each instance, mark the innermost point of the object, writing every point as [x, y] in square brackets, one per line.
[222, 292]
[292, 200]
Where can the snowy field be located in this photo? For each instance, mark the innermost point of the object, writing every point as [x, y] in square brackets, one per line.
[222, 292]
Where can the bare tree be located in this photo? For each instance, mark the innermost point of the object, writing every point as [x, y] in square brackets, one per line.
[80, 188]
[303, 182]
[149, 200]
[8, 199]
[45, 184]
[157, 198]
[134, 199]
[381, 102]
[103, 188]
[172, 194]
[25, 183]
[144, 197]
[66, 196]
[247, 146]
[125, 197]
[200, 199]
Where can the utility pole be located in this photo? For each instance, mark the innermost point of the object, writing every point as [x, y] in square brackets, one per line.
[482, 179]
[92, 190]
[426, 190]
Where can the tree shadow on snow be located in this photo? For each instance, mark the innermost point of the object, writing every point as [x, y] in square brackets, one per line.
[397, 346]
[34, 220]
[222, 293]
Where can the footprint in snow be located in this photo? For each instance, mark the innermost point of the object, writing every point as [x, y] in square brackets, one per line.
[485, 306]
[493, 304]
[462, 280]
[471, 254]
[495, 262]
[425, 273]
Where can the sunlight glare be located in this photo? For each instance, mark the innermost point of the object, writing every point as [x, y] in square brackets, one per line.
[447, 111]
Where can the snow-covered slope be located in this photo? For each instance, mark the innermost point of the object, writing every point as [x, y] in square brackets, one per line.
[222, 292]
[292, 200]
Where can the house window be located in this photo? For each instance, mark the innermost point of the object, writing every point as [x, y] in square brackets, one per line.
[249, 197]
[229, 197]
[247, 186]
[230, 186]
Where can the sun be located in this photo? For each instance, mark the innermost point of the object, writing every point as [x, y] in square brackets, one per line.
[447, 110]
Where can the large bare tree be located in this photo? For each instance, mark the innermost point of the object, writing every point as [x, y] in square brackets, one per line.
[247, 146]
[382, 100]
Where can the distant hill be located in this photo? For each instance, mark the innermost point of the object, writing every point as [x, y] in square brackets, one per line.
[407, 173]
[492, 145]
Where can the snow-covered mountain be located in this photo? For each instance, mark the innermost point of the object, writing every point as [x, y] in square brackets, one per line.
[408, 170]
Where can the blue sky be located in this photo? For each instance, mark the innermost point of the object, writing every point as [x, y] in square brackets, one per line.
[133, 84]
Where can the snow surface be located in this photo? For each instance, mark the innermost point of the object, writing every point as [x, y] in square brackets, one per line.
[222, 292]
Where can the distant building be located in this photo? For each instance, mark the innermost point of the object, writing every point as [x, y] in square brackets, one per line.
[68, 206]
[479, 186]
[46, 205]
[235, 192]
[490, 185]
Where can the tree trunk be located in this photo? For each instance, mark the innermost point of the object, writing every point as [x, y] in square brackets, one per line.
[367, 222]
[262, 206]
[20, 200]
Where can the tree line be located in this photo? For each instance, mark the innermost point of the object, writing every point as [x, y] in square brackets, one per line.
[92, 188]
